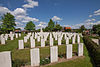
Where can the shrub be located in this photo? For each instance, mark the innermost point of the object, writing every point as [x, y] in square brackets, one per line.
[62, 55]
[18, 63]
[44, 61]
[94, 50]
[47, 43]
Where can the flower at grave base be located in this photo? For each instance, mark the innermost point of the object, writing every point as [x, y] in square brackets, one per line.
[46, 58]
[42, 60]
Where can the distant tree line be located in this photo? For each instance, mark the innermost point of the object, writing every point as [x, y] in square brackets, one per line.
[8, 24]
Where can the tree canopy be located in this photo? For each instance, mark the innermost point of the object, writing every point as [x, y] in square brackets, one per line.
[30, 26]
[96, 29]
[82, 28]
[51, 25]
[8, 22]
[57, 27]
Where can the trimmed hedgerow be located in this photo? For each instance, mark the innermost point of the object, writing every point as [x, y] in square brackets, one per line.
[94, 50]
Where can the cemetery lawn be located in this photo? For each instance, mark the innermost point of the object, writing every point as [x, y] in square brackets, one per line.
[24, 55]
[79, 62]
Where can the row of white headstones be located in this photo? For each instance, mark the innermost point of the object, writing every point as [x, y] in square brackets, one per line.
[4, 37]
[42, 37]
[5, 57]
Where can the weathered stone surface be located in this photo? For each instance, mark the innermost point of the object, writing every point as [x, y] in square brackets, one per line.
[59, 41]
[78, 39]
[42, 43]
[35, 57]
[80, 49]
[5, 59]
[2, 40]
[53, 54]
[21, 44]
[51, 41]
[67, 40]
[32, 43]
[69, 51]
[25, 39]
[73, 40]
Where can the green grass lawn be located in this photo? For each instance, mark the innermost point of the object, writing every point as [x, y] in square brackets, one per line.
[24, 55]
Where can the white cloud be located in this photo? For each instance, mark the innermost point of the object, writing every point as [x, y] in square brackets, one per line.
[19, 24]
[43, 23]
[55, 18]
[4, 10]
[90, 15]
[20, 27]
[27, 19]
[93, 19]
[19, 11]
[90, 20]
[20, 15]
[87, 25]
[96, 13]
[31, 4]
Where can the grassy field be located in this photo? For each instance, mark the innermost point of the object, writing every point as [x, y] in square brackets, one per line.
[24, 55]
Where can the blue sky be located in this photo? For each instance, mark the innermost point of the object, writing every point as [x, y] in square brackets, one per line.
[73, 13]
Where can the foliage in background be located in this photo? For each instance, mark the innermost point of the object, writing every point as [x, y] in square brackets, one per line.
[8, 22]
[57, 27]
[96, 29]
[82, 28]
[51, 25]
[30, 26]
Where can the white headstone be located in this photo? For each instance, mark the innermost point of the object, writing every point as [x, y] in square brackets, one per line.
[69, 51]
[42, 43]
[11, 38]
[67, 40]
[73, 40]
[2, 40]
[59, 41]
[38, 38]
[35, 57]
[16, 35]
[25, 39]
[32, 43]
[51, 41]
[80, 49]
[21, 44]
[19, 34]
[5, 59]
[54, 54]
[78, 39]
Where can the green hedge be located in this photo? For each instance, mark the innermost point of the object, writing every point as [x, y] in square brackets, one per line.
[94, 50]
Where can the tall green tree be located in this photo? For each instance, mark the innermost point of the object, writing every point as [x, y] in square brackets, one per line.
[82, 28]
[30, 26]
[51, 25]
[57, 27]
[96, 29]
[8, 22]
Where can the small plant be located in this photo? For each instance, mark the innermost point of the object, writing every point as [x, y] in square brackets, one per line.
[18, 63]
[44, 61]
[47, 43]
[62, 55]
